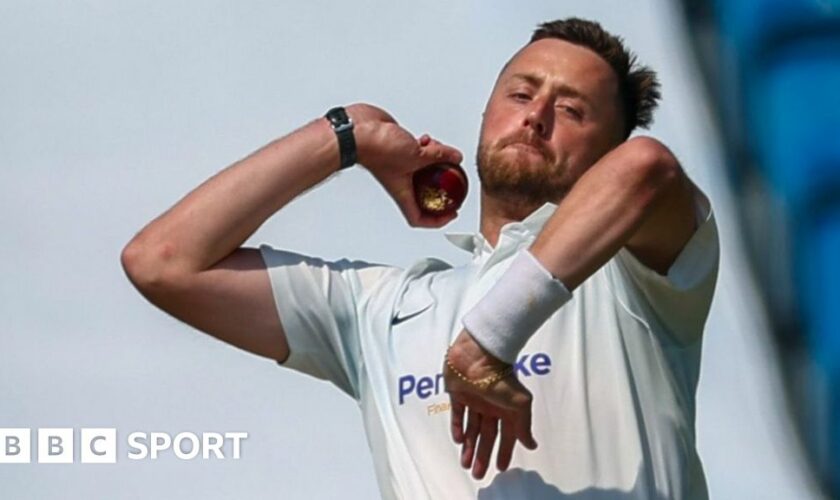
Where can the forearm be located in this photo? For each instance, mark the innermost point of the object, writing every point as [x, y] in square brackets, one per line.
[219, 215]
[605, 208]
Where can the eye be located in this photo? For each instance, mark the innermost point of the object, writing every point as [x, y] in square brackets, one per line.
[521, 96]
[569, 110]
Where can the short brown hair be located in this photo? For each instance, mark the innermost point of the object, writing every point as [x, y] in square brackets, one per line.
[638, 85]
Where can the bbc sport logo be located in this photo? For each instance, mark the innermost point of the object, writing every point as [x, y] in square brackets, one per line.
[100, 445]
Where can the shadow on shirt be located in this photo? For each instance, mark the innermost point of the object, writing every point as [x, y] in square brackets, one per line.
[519, 483]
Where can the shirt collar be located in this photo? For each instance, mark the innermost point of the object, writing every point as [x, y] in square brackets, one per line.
[531, 225]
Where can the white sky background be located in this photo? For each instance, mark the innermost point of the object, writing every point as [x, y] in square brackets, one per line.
[112, 111]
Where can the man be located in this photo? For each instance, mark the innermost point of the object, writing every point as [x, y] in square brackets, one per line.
[584, 300]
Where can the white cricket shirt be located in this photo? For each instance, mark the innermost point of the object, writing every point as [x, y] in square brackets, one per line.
[613, 372]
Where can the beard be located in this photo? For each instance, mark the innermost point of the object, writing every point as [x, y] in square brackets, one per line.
[517, 176]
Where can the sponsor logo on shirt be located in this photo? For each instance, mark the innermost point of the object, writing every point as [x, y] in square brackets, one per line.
[422, 387]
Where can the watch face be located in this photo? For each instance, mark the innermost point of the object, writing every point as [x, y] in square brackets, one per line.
[337, 116]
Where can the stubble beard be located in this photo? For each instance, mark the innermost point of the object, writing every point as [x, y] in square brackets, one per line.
[516, 177]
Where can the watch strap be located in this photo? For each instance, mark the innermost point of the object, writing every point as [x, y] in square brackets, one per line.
[343, 127]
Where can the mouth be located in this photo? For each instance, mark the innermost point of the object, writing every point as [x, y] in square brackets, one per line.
[524, 145]
[527, 147]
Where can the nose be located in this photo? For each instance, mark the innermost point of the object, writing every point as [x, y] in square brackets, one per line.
[539, 118]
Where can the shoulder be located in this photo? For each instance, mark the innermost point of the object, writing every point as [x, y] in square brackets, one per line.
[300, 272]
[679, 299]
[696, 262]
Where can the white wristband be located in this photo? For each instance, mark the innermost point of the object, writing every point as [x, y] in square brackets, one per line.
[523, 299]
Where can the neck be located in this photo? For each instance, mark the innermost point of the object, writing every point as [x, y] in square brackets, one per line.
[496, 212]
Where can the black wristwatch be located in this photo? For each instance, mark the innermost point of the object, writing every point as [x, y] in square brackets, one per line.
[343, 126]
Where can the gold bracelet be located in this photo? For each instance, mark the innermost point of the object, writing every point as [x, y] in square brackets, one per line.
[482, 383]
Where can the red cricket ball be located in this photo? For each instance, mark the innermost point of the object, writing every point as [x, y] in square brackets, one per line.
[440, 189]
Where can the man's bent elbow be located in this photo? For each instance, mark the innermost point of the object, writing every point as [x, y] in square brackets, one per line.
[148, 267]
[653, 168]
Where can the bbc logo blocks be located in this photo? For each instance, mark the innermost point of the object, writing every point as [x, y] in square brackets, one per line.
[56, 445]
[99, 445]
[15, 444]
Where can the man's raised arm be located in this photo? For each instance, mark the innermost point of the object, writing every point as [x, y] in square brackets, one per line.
[188, 261]
[636, 196]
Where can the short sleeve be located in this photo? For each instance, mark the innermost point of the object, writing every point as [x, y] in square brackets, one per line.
[318, 304]
[680, 299]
